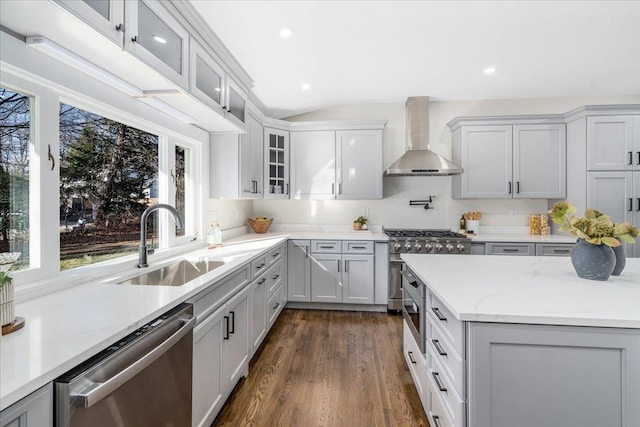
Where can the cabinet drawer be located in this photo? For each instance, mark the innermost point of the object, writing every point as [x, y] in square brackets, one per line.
[326, 246]
[275, 305]
[357, 247]
[258, 266]
[450, 360]
[439, 415]
[551, 249]
[207, 301]
[274, 275]
[416, 361]
[275, 254]
[443, 390]
[451, 326]
[510, 249]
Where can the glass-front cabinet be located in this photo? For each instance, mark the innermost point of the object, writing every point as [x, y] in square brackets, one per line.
[276, 170]
[106, 16]
[207, 78]
[236, 101]
[158, 39]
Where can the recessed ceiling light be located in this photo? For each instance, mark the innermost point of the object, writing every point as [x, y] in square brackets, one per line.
[285, 33]
[160, 39]
[306, 86]
[489, 70]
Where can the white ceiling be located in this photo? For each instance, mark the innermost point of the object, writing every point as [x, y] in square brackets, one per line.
[384, 51]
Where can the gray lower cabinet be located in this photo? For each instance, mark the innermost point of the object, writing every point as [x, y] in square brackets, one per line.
[298, 270]
[553, 249]
[35, 410]
[510, 249]
[539, 375]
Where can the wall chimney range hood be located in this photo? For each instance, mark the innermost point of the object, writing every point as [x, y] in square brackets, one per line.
[419, 160]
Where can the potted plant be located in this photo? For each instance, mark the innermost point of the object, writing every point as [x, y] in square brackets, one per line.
[593, 256]
[7, 314]
[360, 223]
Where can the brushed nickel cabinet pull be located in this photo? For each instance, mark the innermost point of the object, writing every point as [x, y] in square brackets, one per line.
[410, 353]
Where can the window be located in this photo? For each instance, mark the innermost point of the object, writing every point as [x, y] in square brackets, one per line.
[181, 162]
[108, 177]
[15, 148]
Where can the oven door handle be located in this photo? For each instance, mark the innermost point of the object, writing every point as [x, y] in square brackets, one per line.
[396, 261]
[97, 391]
[411, 279]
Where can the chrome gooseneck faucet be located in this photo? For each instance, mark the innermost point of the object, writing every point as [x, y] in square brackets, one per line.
[143, 252]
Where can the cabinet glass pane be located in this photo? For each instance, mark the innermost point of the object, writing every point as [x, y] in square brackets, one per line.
[100, 6]
[281, 141]
[272, 141]
[280, 171]
[236, 104]
[207, 80]
[272, 171]
[272, 156]
[156, 37]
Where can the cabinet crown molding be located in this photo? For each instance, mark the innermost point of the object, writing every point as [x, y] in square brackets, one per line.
[338, 125]
[602, 110]
[506, 120]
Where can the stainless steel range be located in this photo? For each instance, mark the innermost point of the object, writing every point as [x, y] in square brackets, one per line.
[404, 241]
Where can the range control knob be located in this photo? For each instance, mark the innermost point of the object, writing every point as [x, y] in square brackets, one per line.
[449, 247]
[396, 247]
[407, 246]
[428, 247]
[439, 247]
[460, 247]
[418, 246]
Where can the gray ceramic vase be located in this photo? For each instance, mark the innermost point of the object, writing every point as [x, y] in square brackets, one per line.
[621, 260]
[593, 262]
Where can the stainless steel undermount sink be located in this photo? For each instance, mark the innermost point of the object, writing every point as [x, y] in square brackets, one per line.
[175, 274]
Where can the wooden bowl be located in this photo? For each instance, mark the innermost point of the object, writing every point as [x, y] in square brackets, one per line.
[260, 226]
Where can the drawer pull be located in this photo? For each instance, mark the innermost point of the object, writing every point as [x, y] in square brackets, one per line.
[261, 281]
[326, 247]
[438, 347]
[259, 266]
[561, 251]
[436, 377]
[439, 315]
[358, 247]
[436, 420]
[275, 277]
[410, 353]
[510, 250]
[275, 307]
[276, 254]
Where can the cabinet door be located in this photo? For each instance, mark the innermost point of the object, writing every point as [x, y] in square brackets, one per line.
[206, 78]
[538, 375]
[359, 164]
[251, 160]
[207, 386]
[258, 311]
[276, 167]
[34, 410]
[235, 103]
[486, 157]
[358, 279]
[156, 38]
[539, 161]
[326, 278]
[235, 349]
[298, 269]
[610, 143]
[105, 16]
[636, 216]
[313, 165]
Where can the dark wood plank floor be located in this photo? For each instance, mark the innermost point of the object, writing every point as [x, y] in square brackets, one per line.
[327, 368]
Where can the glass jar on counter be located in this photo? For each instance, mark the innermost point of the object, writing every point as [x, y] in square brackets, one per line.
[539, 224]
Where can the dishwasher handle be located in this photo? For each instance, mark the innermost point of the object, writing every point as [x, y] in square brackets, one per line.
[98, 391]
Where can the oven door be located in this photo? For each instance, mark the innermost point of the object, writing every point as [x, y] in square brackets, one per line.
[414, 306]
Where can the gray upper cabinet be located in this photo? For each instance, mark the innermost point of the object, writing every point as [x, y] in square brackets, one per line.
[359, 164]
[105, 16]
[313, 165]
[157, 39]
[503, 160]
[206, 78]
[276, 168]
[613, 143]
[538, 375]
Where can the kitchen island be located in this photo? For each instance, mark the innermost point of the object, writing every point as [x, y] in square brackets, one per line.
[523, 341]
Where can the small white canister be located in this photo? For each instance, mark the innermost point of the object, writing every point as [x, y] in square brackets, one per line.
[473, 226]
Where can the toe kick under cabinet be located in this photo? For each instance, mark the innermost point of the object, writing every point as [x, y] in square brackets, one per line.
[477, 374]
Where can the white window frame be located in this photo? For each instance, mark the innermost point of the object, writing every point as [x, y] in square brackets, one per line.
[44, 275]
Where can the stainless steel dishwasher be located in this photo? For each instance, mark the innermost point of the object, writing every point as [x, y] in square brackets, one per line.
[142, 380]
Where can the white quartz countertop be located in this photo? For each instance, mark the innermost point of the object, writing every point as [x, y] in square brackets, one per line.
[521, 238]
[321, 235]
[529, 289]
[67, 327]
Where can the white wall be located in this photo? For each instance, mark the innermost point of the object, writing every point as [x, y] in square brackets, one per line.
[394, 209]
[229, 213]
